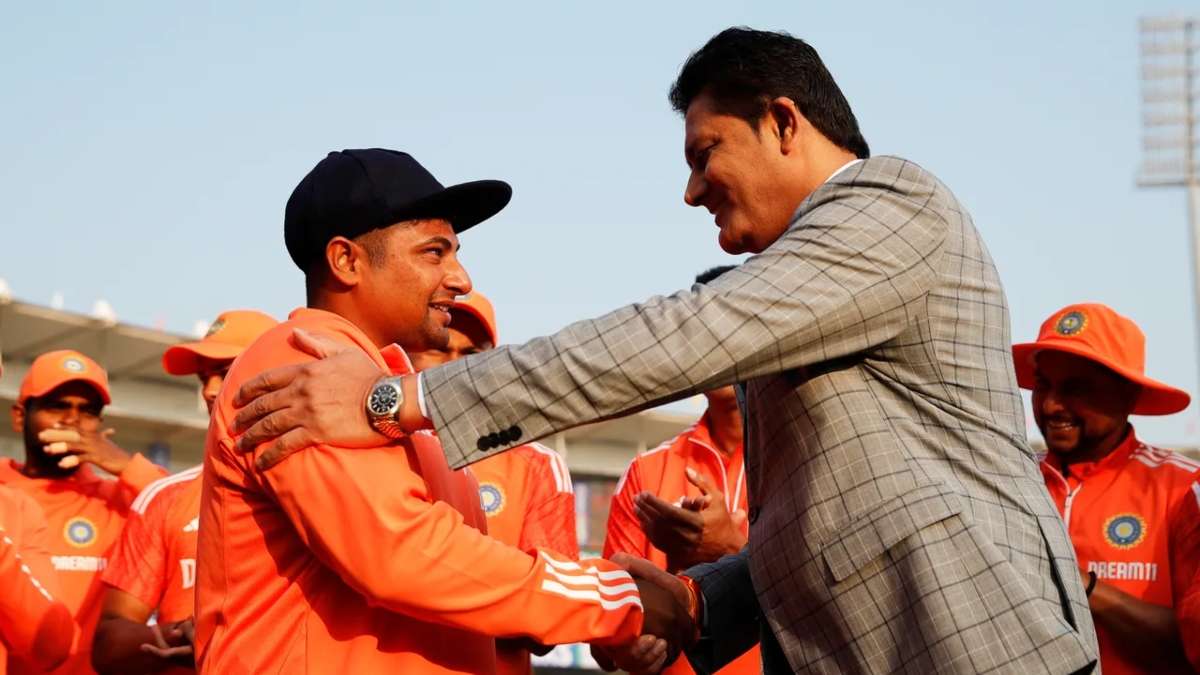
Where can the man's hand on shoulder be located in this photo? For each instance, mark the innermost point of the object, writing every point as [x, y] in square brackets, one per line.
[297, 406]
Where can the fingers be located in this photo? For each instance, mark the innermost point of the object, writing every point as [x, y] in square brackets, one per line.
[284, 446]
[316, 345]
[268, 428]
[64, 436]
[159, 640]
[648, 655]
[69, 462]
[167, 652]
[701, 483]
[259, 408]
[642, 568]
[655, 509]
[267, 382]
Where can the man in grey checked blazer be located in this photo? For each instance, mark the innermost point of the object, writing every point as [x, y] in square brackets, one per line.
[898, 519]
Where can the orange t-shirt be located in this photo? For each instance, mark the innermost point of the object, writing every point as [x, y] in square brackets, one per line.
[1134, 518]
[371, 560]
[527, 496]
[85, 514]
[662, 472]
[155, 559]
[36, 629]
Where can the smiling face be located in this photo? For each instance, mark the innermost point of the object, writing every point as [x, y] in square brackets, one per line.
[1081, 407]
[410, 282]
[739, 172]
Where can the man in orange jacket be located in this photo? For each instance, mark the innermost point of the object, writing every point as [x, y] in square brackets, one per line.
[153, 569]
[684, 502]
[373, 558]
[1133, 511]
[526, 494]
[59, 413]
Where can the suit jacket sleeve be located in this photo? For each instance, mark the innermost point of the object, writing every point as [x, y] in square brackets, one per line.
[852, 271]
[731, 613]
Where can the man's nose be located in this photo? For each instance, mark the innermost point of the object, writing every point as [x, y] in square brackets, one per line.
[457, 280]
[693, 192]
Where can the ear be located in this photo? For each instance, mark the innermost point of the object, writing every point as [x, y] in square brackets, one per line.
[18, 418]
[346, 261]
[786, 123]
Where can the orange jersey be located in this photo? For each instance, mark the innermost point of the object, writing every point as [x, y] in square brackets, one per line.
[1134, 518]
[662, 472]
[36, 629]
[155, 559]
[371, 560]
[85, 514]
[527, 496]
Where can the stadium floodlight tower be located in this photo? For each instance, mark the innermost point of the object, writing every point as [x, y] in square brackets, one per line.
[1170, 104]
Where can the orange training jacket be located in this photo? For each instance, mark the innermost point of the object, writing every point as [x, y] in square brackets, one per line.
[371, 560]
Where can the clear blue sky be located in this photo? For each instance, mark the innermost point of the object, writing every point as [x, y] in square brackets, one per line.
[148, 148]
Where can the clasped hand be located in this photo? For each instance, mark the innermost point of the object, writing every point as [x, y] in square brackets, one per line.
[668, 626]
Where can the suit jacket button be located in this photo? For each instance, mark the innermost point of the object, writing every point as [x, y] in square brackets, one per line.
[514, 434]
[481, 444]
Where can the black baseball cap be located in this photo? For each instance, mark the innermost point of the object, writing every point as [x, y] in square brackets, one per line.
[352, 192]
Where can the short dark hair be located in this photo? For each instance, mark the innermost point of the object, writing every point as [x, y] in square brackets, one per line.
[744, 69]
[712, 273]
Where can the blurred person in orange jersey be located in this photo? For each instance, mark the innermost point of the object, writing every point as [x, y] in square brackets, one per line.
[59, 412]
[684, 502]
[526, 493]
[372, 557]
[152, 571]
[1132, 510]
[35, 626]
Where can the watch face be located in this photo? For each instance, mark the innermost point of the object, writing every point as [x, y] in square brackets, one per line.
[383, 399]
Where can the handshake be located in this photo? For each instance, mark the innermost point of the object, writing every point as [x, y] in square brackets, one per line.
[671, 620]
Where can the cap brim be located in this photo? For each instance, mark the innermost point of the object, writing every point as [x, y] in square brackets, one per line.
[1156, 398]
[184, 359]
[465, 205]
[97, 385]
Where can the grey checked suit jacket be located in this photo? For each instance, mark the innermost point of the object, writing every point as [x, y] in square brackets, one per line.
[898, 519]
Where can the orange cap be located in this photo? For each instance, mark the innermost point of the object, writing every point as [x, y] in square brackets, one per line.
[231, 333]
[481, 308]
[1097, 333]
[54, 369]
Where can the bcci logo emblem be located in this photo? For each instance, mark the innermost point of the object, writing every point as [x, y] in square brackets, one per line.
[491, 498]
[215, 328]
[80, 532]
[1071, 324]
[73, 365]
[1125, 531]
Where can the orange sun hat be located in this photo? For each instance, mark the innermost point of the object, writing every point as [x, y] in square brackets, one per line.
[54, 369]
[1097, 333]
[481, 308]
[228, 336]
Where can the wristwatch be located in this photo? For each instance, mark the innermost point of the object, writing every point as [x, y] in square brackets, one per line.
[383, 407]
